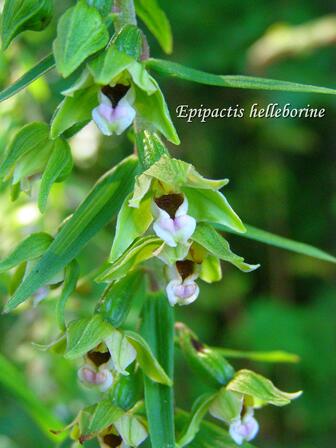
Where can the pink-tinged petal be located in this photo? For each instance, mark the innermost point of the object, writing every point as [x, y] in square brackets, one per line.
[181, 293]
[113, 120]
[245, 429]
[164, 229]
[104, 379]
[101, 122]
[184, 227]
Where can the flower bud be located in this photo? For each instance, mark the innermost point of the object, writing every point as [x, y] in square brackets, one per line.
[173, 225]
[204, 360]
[115, 112]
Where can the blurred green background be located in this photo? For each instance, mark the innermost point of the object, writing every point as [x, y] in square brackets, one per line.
[282, 174]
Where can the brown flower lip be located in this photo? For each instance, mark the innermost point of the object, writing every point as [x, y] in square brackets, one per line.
[112, 440]
[170, 203]
[185, 268]
[99, 358]
[116, 93]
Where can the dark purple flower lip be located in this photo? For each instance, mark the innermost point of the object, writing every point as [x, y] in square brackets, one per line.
[116, 93]
[170, 203]
[98, 358]
[112, 440]
[185, 268]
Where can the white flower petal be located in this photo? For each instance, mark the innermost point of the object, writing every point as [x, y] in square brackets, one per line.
[245, 429]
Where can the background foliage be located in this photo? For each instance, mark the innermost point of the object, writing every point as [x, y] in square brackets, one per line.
[282, 180]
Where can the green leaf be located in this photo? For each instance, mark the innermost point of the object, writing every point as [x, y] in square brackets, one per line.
[73, 110]
[32, 137]
[22, 15]
[207, 237]
[118, 298]
[273, 356]
[97, 209]
[59, 166]
[71, 276]
[156, 21]
[260, 388]
[103, 6]
[81, 32]
[271, 239]
[131, 223]
[200, 409]
[30, 248]
[147, 360]
[104, 414]
[158, 329]
[13, 381]
[209, 364]
[40, 69]
[153, 112]
[150, 147]
[231, 81]
[209, 435]
[141, 250]
[212, 206]
[85, 334]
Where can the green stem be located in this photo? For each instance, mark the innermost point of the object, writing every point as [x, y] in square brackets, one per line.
[125, 13]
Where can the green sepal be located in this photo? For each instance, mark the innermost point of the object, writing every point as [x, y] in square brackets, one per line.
[30, 248]
[113, 65]
[73, 110]
[141, 250]
[261, 389]
[174, 173]
[154, 113]
[204, 360]
[199, 410]
[99, 417]
[22, 15]
[147, 360]
[131, 223]
[118, 298]
[206, 236]
[85, 334]
[211, 270]
[212, 206]
[81, 32]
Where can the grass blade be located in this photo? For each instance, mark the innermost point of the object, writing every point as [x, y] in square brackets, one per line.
[232, 81]
[40, 69]
[271, 239]
[158, 330]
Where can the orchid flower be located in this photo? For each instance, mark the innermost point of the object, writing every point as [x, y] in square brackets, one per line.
[115, 112]
[182, 288]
